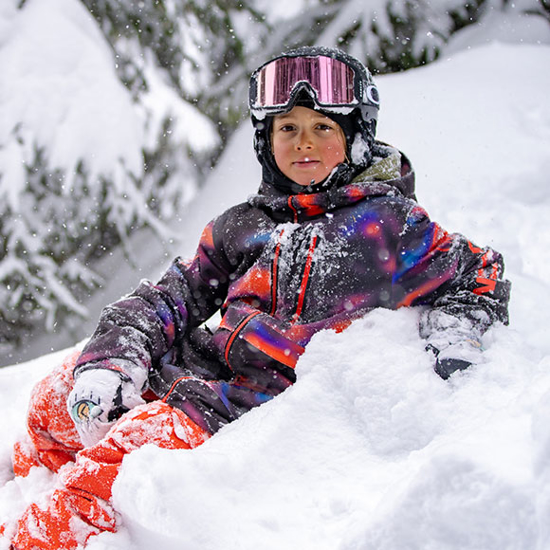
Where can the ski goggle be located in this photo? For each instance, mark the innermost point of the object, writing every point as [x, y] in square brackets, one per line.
[333, 82]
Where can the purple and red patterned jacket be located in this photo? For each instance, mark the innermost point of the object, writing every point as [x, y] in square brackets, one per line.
[280, 268]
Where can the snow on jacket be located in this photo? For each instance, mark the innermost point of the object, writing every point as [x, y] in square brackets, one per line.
[280, 268]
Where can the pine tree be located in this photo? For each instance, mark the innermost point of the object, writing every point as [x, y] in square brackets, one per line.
[59, 214]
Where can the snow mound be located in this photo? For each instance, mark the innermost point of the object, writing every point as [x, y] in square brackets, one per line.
[369, 450]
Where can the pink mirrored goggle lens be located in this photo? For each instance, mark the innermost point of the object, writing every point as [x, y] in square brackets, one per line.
[331, 79]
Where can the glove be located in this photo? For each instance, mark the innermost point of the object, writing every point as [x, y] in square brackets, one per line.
[455, 357]
[99, 398]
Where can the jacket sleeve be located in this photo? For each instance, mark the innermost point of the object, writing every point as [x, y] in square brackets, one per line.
[137, 330]
[462, 284]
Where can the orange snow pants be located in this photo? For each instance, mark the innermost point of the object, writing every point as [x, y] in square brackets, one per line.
[80, 507]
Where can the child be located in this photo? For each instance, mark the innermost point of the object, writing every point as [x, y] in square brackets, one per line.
[333, 232]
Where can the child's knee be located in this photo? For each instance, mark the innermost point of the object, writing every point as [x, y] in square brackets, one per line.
[159, 424]
[53, 437]
[49, 396]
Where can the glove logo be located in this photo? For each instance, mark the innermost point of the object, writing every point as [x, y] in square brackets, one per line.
[82, 410]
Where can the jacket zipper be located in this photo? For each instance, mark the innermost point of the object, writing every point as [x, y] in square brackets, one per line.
[301, 295]
[305, 279]
[275, 275]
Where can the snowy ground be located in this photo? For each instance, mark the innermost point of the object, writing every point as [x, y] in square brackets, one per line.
[370, 450]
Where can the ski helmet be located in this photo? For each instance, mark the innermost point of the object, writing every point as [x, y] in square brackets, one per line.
[327, 80]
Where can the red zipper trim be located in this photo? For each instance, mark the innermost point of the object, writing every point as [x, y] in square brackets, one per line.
[174, 384]
[305, 279]
[275, 275]
[240, 326]
[291, 206]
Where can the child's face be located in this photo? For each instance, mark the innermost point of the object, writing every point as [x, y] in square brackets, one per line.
[307, 145]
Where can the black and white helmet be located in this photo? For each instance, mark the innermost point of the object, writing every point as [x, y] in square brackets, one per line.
[325, 79]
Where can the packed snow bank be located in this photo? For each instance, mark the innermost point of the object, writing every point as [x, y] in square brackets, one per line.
[370, 449]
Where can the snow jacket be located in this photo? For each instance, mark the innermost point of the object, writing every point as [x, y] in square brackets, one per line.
[280, 268]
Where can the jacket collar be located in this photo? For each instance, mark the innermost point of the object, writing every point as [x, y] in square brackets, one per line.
[390, 173]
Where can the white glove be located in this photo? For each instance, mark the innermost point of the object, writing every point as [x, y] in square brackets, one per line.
[99, 397]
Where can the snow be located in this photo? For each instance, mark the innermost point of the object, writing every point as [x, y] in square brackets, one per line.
[77, 85]
[60, 87]
[370, 449]
[509, 25]
[283, 9]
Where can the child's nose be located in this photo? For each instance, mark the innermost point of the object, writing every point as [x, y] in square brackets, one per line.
[304, 141]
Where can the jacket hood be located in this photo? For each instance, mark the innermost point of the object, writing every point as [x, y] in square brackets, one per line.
[390, 173]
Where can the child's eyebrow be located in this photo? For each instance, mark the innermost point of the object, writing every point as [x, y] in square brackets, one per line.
[283, 116]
